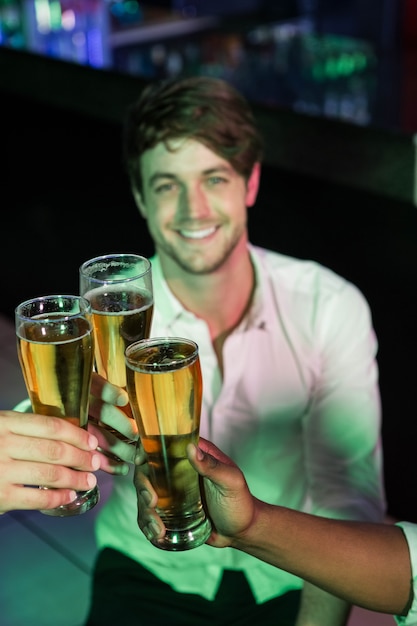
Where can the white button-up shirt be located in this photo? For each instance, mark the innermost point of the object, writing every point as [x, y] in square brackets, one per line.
[298, 410]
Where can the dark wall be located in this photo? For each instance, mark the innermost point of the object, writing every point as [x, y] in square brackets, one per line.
[65, 198]
[65, 195]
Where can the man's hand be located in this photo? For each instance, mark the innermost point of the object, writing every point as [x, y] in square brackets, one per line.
[36, 450]
[227, 498]
[110, 424]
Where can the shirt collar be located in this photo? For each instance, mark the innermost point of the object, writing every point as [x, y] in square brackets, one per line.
[166, 303]
[171, 308]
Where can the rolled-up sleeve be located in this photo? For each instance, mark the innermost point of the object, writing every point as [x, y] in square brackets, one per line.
[410, 532]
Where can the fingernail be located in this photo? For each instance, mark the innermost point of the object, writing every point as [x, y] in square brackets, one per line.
[154, 527]
[147, 531]
[151, 530]
[146, 496]
[122, 399]
[91, 480]
[92, 442]
[121, 469]
[71, 496]
[95, 461]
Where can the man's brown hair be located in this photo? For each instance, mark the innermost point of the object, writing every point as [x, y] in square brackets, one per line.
[208, 110]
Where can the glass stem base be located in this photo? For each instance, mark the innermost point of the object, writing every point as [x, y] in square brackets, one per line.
[178, 539]
[84, 501]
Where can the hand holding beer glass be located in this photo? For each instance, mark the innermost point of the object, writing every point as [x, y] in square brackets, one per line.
[119, 287]
[55, 346]
[164, 384]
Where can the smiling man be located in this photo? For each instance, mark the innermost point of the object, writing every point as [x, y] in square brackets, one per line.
[195, 205]
[288, 355]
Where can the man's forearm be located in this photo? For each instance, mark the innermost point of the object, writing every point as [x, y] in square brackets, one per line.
[363, 563]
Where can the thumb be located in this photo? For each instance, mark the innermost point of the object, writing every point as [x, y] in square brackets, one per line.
[214, 465]
[202, 461]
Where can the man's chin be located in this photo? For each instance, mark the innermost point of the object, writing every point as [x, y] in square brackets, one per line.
[200, 261]
[198, 266]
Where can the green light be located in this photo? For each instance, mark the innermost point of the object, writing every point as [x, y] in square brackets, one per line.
[131, 7]
[56, 15]
[331, 68]
[345, 64]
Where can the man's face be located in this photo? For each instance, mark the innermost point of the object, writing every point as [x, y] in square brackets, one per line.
[195, 204]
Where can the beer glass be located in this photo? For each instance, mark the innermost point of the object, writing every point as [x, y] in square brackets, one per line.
[55, 347]
[119, 287]
[164, 384]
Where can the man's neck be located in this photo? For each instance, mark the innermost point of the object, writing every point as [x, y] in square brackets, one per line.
[221, 298]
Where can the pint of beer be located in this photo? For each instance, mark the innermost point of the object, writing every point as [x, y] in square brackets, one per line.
[55, 346]
[164, 383]
[119, 287]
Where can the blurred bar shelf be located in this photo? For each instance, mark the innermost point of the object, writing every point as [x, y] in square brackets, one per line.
[329, 105]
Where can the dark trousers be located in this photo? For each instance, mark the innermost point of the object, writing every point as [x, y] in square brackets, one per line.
[127, 594]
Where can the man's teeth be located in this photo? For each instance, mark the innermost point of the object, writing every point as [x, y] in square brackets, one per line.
[198, 234]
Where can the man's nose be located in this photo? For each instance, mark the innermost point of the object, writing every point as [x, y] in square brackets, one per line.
[194, 202]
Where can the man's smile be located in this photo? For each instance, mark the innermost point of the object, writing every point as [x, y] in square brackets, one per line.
[197, 234]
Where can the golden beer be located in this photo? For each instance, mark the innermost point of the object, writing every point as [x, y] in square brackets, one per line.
[120, 317]
[55, 346]
[119, 287]
[57, 362]
[164, 383]
[171, 474]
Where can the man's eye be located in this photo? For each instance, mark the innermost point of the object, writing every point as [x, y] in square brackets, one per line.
[164, 188]
[216, 180]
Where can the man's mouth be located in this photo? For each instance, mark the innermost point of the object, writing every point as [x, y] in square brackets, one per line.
[197, 234]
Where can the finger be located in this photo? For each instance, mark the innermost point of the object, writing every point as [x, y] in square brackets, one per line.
[148, 520]
[223, 473]
[48, 451]
[118, 420]
[112, 464]
[140, 454]
[115, 453]
[203, 462]
[214, 451]
[45, 475]
[152, 527]
[113, 417]
[54, 428]
[107, 392]
[27, 498]
[147, 500]
[147, 497]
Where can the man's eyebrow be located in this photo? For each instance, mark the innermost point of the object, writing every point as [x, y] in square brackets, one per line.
[226, 169]
[155, 177]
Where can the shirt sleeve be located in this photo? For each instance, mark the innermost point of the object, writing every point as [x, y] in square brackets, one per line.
[410, 532]
[343, 425]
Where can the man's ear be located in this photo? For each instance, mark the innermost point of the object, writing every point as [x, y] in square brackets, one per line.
[139, 202]
[252, 185]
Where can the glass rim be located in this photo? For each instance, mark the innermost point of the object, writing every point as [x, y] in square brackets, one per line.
[25, 304]
[114, 256]
[152, 341]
